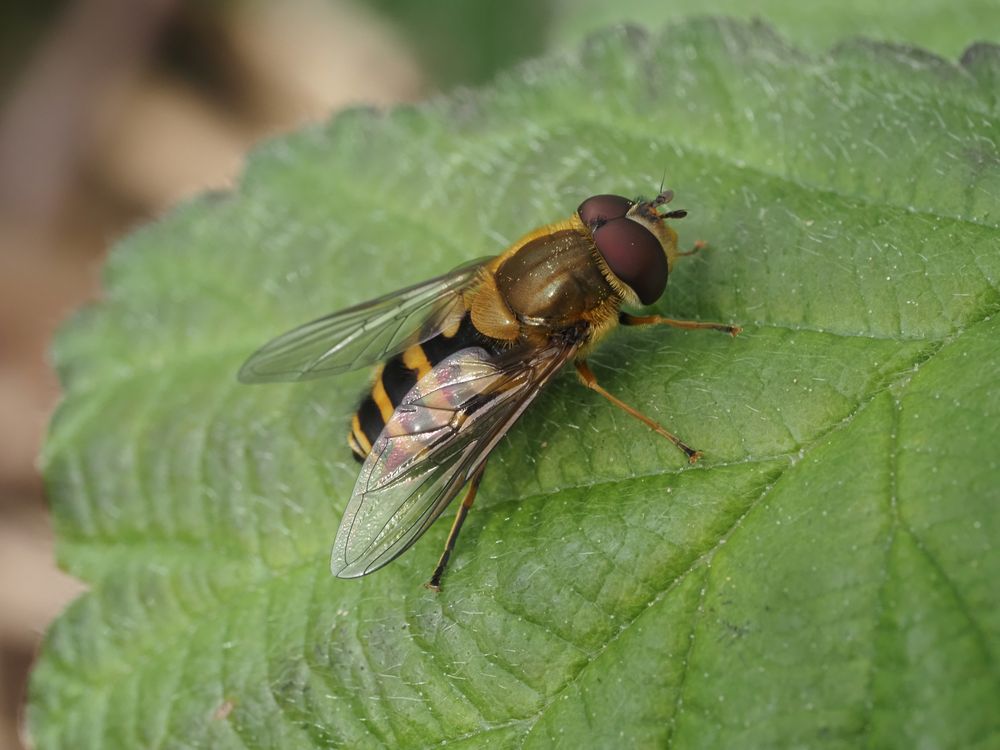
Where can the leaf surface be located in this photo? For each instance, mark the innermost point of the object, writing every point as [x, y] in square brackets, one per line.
[944, 28]
[826, 576]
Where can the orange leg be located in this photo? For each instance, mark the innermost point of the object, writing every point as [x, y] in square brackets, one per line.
[698, 246]
[648, 320]
[463, 510]
[590, 380]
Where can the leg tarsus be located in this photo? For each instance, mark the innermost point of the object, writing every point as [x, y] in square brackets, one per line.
[463, 510]
[696, 248]
[588, 378]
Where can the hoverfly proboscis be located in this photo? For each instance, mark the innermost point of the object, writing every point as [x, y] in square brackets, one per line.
[461, 356]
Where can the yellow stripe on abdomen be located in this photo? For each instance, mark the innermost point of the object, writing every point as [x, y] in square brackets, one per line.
[415, 359]
[381, 398]
[359, 435]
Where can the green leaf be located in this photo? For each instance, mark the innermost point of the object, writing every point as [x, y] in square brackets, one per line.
[942, 27]
[825, 577]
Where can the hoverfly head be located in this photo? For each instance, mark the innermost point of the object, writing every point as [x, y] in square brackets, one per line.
[634, 242]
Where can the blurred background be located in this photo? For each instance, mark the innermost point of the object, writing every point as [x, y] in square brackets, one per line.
[111, 111]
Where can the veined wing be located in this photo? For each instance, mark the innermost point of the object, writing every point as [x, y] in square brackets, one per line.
[438, 436]
[364, 334]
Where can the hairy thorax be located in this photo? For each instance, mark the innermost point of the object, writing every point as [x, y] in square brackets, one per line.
[546, 283]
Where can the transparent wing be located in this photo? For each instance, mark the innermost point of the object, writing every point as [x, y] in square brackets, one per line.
[363, 334]
[438, 436]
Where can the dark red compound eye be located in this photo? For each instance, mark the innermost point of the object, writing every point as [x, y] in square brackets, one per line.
[635, 256]
[599, 209]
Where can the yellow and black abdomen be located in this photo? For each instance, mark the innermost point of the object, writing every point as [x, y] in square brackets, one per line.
[394, 379]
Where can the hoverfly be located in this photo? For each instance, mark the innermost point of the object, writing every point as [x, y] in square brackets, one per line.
[461, 356]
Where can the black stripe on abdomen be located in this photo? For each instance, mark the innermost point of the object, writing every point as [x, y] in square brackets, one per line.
[398, 379]
[400, 374]
[442, 346]
[365, 427]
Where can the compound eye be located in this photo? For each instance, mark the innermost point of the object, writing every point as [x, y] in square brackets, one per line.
[601, 208]
[635, 256]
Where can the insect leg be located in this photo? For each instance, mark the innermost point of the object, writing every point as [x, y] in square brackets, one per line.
[463, 510]
[647, 320]
[698, 246]
[590, 380]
